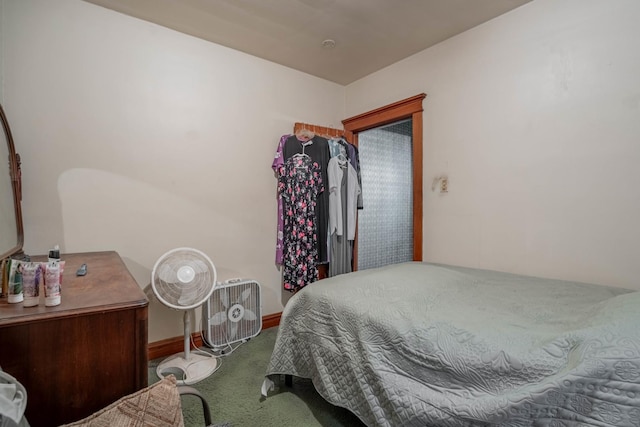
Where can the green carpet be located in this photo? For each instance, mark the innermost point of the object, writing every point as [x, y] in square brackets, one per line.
[233, 393]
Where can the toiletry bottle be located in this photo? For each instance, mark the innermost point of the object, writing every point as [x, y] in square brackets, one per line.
[31, 278]
[15, 283]
[52, 278]
[4, 278]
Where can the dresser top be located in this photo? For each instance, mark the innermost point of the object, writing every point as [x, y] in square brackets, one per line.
[107, 286]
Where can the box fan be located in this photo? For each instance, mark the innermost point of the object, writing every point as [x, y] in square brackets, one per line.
[232, 313]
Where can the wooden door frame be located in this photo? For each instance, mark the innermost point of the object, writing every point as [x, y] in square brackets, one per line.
[410, 108]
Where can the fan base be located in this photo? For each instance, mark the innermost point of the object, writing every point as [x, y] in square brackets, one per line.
[188, 371]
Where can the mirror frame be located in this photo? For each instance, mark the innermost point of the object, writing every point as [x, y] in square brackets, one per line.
[15, 175]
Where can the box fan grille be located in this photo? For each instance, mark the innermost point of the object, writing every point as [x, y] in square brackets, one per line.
[232, 313]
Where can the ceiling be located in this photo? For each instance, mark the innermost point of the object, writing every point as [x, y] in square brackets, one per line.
[368, 35]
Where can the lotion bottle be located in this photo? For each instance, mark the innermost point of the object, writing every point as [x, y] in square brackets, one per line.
[15, 283]
[31, 277]
[52, 278]
[4, 277]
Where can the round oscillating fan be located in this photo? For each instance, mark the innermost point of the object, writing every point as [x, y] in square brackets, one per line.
[183, 279]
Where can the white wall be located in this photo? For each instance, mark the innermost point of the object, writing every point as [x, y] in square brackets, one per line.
[139, 139]
[535, 118]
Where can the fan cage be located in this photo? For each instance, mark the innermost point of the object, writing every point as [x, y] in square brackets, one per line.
[184, 278]
[189, 292]
[222, 335]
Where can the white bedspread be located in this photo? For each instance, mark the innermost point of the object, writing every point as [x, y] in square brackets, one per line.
[419, 344]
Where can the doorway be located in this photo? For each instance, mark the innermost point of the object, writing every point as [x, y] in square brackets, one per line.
[409, 110]
[385, 227]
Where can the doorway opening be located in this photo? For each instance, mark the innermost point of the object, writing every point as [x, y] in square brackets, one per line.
[408, 111]
[385, 227]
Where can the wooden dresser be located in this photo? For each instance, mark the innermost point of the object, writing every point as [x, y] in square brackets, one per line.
[89, 351]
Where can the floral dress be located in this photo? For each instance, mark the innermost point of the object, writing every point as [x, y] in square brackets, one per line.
[299, 183]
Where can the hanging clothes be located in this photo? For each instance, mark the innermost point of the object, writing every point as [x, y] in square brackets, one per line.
[354, 158]
[299, 183]
[278, 161]
[315, 226]
[343, 195]
[339, 146]
[317, 148]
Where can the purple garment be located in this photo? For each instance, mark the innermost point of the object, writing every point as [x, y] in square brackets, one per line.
[278, 160]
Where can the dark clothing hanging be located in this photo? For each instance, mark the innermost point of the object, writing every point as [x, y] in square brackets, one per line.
[299, 184]
[307, 201]
[354, 158]
[318, 150]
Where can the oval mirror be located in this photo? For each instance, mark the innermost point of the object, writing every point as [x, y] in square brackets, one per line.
[11, 233]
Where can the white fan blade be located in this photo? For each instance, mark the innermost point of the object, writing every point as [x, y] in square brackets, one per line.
[249, 315]
[166, 273]
[186, 300]
[224, 296]
[245, 295]
[200, 266]
[218, 319]
[187, 297]
[234, 329]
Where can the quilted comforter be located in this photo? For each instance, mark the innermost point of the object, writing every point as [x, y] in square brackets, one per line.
[420, 344]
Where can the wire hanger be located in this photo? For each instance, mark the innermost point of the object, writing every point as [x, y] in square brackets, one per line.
[342, 160]
[299, 156]
[305, 135]
[303, 154]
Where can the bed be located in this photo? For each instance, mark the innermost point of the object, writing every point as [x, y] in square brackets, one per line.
[419, 344]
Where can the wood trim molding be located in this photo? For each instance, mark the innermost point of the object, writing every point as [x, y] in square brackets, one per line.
[417, 184]
[169, 346]
[384, 115]
[271, 320]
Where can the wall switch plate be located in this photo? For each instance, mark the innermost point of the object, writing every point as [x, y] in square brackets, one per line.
[444, 185]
